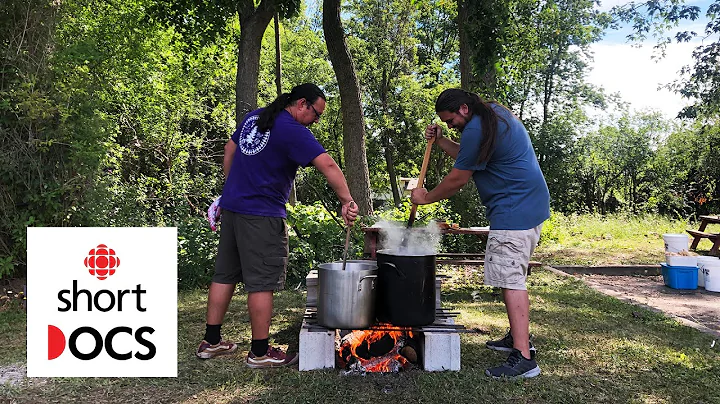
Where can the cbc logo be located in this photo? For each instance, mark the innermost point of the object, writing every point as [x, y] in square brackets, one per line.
[101, 263]
[56, 343]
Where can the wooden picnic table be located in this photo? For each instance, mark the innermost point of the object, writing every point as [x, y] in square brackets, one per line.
[373, 244]
[700, 234]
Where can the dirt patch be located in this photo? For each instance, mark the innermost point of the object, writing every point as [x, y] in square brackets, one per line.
[699, 306]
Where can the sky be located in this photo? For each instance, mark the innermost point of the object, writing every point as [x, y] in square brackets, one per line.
[622, 67]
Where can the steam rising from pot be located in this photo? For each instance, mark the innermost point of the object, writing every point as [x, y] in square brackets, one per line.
[421, 240]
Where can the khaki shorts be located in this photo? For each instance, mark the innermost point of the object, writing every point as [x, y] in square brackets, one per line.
[507, 257]
[252, 250]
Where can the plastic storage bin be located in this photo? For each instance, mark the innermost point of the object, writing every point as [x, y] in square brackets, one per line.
[676, 242]
[712, 276]
[680, 277]
[701, 260]
[681, 260]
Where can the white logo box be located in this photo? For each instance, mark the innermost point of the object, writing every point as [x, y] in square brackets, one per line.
[147, 257]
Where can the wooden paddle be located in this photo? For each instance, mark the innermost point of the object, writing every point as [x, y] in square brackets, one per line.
[421, 179]
[347, 242]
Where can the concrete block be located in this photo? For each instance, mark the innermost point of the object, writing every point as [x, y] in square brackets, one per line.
[441, 351]
[317, 349]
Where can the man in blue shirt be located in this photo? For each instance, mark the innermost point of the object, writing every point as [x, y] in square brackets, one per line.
[260, 163]
[495, 150]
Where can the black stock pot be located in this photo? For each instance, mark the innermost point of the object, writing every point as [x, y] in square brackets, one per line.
[406, 288]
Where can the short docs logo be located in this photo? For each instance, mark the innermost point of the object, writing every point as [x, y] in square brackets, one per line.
[88, 316]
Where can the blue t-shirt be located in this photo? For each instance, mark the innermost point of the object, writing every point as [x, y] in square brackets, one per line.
[265, 164]
[511, 185]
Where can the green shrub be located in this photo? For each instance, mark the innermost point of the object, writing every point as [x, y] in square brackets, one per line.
[554, 229]
[315, 238]
[197, 249]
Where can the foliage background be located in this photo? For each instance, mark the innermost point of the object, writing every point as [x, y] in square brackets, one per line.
[111, 116]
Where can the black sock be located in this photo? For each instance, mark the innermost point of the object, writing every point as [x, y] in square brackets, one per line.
[212, 333]
[259, 347]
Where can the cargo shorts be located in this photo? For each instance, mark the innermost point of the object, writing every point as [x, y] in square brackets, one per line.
[507, 257]
[252, 250]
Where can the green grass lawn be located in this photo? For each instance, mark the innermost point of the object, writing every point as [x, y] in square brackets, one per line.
[591, 348]
[595, 240]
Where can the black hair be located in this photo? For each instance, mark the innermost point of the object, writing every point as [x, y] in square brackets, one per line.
[309, 91]
[451, 99]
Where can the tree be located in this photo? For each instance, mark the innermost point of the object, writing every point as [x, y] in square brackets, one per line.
[657, 18]
[482, 25]
[352, 112]
[36, 181]
[703, 83]
[384, 33]
[436, 31]
[205, 19]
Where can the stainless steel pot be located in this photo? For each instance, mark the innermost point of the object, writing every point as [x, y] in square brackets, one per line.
[346, 299]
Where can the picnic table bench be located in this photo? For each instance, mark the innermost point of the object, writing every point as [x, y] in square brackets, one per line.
[472, 259]
[700, 234]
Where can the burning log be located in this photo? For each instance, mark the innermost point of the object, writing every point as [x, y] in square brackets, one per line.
[392, 362]
[364, 351]
[410, 353]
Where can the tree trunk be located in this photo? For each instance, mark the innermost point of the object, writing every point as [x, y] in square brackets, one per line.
[292, 198]
[548, 91]
[477, 60]
[390, 163]
[387, 146]
[357, 173]
[590, 194]
[278, 56]
[466, 73]
[253, 23]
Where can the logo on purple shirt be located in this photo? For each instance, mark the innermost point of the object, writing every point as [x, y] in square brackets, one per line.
[251, 140]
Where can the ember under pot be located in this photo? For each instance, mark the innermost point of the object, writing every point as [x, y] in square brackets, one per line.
[406, 288]
[346, 298]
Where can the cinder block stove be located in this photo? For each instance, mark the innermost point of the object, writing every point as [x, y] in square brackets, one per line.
[439, 342]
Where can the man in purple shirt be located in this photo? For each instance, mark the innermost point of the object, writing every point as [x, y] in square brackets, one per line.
[260, 163]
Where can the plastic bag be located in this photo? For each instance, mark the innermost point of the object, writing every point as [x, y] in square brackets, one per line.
[213, 214]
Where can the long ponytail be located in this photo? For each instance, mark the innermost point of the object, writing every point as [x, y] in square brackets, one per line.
[310, 92]
[451, 100]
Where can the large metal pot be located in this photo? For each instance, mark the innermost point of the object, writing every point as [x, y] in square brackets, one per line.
[346, 299]
[406, 288]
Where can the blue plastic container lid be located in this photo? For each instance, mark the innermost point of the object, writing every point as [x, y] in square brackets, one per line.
[665, 265]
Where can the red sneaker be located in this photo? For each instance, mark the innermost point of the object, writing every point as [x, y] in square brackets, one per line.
[274, 358]
[207, 351]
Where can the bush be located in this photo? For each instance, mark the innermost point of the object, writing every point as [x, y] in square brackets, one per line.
[315, 237]
[554, 229]
[197, 249]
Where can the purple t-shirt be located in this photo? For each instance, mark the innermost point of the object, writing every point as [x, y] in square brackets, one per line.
[265, 164]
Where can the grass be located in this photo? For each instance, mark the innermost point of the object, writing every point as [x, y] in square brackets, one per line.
[592, 348]
[595, 240]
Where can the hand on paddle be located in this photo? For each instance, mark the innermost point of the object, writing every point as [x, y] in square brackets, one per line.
[350, 212]
[418, 196]
[433, 131]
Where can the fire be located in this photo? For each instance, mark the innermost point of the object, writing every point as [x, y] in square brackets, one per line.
[363, 340]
